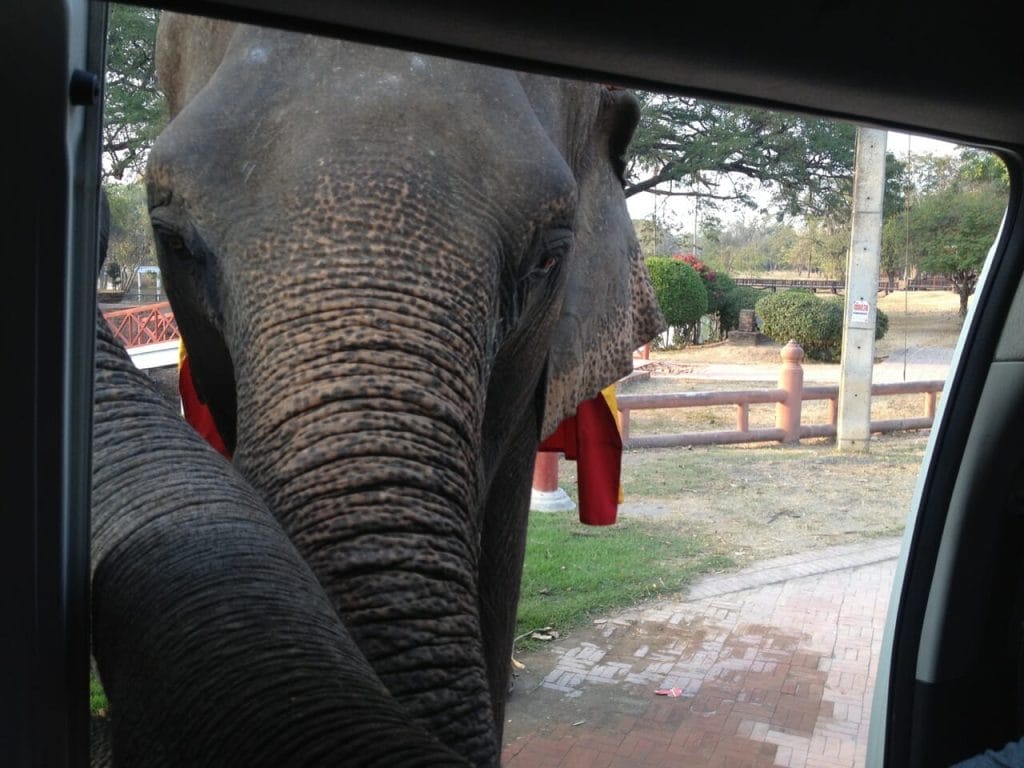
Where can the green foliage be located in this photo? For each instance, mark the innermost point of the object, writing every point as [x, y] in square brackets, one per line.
[679, 290]
[133, 108]
[955, 208]
[881, 324]
[574, 572]
[895, 257]
[97, 697]
[952, 232]
[979, 167]
[759, 245]
[736, 298]
[815, 323]
[655, 238]
[131, 235]
[684, 146]
[820, 247]
[719, 291]
[726, 299]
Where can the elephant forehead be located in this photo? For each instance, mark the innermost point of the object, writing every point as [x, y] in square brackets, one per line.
[336, 90]
[284, 109]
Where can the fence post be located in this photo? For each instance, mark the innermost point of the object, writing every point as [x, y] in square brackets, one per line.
[546, 496]
[742, 417]
[791, 380]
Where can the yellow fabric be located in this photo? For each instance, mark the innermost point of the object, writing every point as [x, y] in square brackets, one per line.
[608, 393]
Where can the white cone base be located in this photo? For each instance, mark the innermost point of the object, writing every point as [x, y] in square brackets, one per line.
[551, 501]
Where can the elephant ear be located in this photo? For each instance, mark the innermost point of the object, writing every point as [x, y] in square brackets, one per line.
[609, 308]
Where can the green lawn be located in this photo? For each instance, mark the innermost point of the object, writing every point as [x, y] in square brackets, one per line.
[575, 573]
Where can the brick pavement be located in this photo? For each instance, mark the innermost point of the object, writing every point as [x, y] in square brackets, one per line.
[772, 666]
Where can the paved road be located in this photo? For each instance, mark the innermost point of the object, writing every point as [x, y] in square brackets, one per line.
[772, 666]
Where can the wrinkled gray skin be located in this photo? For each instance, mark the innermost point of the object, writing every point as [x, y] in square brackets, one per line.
[394, 274]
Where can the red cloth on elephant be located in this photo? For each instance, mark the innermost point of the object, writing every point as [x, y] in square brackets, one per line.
[195, 410]
[591, 438]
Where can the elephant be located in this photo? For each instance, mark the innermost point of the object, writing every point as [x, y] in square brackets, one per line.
[394, 274]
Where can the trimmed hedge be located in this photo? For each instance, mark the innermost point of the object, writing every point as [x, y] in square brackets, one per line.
[815, 323]
[680, 291]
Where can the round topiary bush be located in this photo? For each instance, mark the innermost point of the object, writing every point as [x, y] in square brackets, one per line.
[679, 289]
[881, 318]
[815, 323]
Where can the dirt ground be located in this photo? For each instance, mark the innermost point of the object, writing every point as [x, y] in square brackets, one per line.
[918, 321]
[758, 501]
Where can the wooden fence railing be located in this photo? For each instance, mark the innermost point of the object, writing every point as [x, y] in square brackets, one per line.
[788, 397]
[836, 286]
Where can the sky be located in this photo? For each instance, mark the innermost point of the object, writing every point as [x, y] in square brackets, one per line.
[679, 212]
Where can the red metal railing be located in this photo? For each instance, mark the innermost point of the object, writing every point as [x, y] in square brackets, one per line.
[144, 324]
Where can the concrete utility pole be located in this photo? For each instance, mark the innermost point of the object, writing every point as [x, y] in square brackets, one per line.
[854, 425]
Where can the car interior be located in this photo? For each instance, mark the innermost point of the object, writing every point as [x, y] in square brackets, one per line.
[951, 676]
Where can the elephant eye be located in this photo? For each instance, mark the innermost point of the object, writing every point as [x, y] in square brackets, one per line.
[555, 245]
[175, 244]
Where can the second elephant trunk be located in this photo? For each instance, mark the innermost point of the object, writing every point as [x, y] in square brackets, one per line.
[215, 643]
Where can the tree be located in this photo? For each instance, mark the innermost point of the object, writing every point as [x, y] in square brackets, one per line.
[131, 237]
[820, 246]
[823, 240]
[656, 240]
[977, 166]
[952, 231]
[744, 247]
[721, 153]
[894, 258]
[133, 108]
[954, 205]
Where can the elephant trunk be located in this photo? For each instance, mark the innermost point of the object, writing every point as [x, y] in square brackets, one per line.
[367, 448]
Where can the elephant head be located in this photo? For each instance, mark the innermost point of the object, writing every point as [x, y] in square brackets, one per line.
[393, 274]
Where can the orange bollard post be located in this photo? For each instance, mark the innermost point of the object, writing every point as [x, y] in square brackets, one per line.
[791, 380]
[545, 472]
